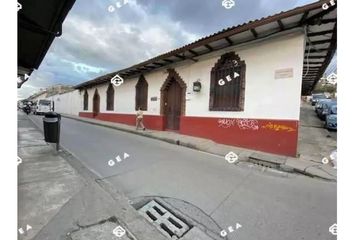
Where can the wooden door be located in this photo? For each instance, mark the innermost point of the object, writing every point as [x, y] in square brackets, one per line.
[173, 106]
[96, 104]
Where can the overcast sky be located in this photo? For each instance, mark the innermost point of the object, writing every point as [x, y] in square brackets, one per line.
[96, 41]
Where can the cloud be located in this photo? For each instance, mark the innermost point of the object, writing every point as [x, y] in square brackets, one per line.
[96, 41]
[84, 68]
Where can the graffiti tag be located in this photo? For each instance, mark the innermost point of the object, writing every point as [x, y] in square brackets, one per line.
[226, 123]
[278, 127]
[247, 124]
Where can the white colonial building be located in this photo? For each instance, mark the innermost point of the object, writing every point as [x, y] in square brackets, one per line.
[241, 86]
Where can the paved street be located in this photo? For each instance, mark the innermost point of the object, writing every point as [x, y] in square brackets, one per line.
[59, 199]
[268, 205]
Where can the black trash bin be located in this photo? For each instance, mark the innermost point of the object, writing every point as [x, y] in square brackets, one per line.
[51, 126]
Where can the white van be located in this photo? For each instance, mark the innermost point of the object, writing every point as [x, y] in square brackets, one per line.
[43, 106]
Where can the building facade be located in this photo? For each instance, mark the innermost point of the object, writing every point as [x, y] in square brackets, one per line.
[241, 86]
[251, 109]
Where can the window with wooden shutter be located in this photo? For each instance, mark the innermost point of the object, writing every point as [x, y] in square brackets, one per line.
[227, 84]
[110, 98]
[85, 100]
[141, 95]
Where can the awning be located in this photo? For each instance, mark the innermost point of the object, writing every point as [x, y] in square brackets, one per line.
[322, 37]
[39, 22]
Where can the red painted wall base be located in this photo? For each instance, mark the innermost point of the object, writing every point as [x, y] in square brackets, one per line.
[150, 121]
[273, 136]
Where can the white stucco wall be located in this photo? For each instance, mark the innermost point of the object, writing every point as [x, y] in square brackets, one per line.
[68, 103]
[124, 95]
[265, 96]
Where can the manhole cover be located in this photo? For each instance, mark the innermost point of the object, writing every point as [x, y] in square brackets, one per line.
[166, 222]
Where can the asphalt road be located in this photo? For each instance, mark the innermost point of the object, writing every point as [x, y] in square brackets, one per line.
[269, 206]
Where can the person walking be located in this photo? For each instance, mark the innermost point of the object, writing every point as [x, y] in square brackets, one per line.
[139, 119]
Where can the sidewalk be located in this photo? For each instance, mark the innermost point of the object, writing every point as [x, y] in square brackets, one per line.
[315, 142]
[58, 198]
[304, 165]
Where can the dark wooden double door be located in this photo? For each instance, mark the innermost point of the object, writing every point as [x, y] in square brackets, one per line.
[173, 105]
[96, 104]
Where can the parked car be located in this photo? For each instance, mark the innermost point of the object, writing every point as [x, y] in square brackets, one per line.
[316, 97]
[43, 106]
[331, 121]
[328, 108]
[319, 104]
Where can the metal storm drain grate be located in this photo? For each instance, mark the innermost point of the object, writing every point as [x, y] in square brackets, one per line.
[264, 163]
[171, 226]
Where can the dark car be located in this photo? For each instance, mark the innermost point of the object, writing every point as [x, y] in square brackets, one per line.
[328, 108]
[331, 120]
[316, 97]
[319, 104]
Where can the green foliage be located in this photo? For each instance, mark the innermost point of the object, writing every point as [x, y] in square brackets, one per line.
[325, 88]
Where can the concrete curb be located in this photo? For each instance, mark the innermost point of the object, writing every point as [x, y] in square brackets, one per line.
[294, 165]
[287, 164]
